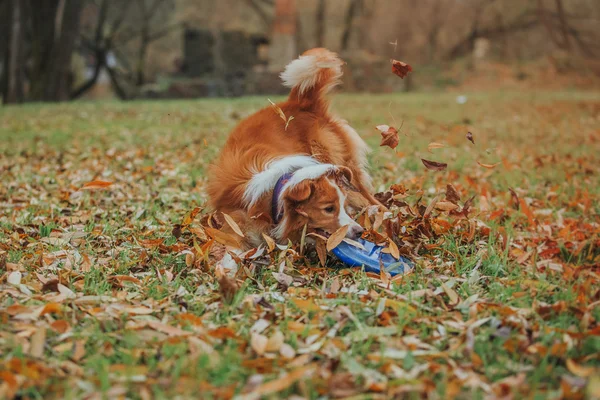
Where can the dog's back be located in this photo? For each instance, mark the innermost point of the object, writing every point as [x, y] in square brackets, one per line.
[265, 136]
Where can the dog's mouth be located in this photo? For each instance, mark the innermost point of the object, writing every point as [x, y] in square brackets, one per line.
[322, 232]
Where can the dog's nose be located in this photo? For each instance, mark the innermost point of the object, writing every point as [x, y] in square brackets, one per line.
[355, 231]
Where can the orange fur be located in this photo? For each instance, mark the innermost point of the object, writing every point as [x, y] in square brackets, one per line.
[263, 136]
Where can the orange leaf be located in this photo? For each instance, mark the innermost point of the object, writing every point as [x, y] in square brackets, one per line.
[401, 68]
[96, 185]
[389, 136]
[336, 238]
[60, 326]
[51, 308]
[580, 370]
[527, 211]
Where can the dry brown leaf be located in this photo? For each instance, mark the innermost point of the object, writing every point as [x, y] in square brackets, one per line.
[431, 206]
[167, 329]
[275, 341]
[189, 217]
[489, 166]
[445, 206]
[394, 251]
[452, 194]
[321, 251]
[515, 199]
[270, 242]
[287, 351]
[434, 165]
[451, 293]
[389, 136]
[38, 340]
[96, 185]
[233, 225]
[228, 287]
[259, 343]
[435, 145]
[336, 238]
[222, 237]
[283, 382]
[401, 68]
[582, 371]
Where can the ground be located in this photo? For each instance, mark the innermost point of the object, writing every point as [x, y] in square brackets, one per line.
[112, 289]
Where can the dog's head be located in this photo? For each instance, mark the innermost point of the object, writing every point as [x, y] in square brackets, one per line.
[316, 197]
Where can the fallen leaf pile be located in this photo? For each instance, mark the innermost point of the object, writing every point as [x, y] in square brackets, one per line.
[114, 278]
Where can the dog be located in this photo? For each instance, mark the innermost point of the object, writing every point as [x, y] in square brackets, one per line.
[278, 173]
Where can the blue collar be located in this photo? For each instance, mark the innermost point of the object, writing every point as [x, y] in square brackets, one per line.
[276, 213]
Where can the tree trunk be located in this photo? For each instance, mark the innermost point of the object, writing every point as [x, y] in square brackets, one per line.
[564, 25]
[283, 42]
[14, 68]
[321, 10]
[60, 78]
[140, 78]
[52, 47]
[353, 11]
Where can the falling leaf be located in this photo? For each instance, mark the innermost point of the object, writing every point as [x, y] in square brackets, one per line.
[96, 185]
[337, 237]
[434, 165]
[389, 136]
[435, 145]
[401, 68]
[488, 165]
[470, 137]
[233, 225]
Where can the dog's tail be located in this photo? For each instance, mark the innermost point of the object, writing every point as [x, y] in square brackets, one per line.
[311, 76]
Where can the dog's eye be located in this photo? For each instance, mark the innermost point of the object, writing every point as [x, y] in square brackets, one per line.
[329, 209]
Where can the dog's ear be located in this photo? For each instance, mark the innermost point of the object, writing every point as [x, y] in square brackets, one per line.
[344, 176]
[300, 192]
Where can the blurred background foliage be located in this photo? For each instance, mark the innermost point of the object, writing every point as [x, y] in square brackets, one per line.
[58, 50]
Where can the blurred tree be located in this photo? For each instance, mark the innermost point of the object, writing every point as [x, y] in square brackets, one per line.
[125, 31]
[44, 32]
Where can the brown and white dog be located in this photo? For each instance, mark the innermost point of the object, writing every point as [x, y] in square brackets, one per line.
[275, 177]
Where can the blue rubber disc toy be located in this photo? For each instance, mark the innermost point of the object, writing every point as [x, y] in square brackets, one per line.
[371, 258]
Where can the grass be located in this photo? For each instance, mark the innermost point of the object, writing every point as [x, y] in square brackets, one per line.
[506, 305]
